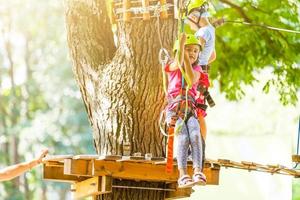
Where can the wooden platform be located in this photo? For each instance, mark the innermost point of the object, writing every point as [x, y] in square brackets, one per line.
[296, 158]
[92, 175]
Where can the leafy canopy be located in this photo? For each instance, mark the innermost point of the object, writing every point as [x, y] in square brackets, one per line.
[244, 50]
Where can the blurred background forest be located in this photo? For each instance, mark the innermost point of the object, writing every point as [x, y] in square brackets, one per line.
[41, 106]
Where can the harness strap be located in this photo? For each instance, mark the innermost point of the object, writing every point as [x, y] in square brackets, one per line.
[180, 98]
[201, 106]
[205, 68]
[171, 127]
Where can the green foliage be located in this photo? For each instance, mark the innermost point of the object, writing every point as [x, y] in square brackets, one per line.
[296, 189]
[243, 50]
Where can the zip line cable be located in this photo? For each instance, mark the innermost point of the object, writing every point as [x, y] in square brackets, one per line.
[263, 26]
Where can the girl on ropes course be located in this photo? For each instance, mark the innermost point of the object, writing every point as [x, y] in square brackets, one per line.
[181, 112]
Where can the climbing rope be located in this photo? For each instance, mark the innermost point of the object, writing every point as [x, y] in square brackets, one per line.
[163, 55]
[263, 26]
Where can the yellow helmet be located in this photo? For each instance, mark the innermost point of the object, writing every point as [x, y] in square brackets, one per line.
[190, 39]
[195, 4]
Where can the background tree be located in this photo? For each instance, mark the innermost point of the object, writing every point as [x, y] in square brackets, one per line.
[121, 86]
[39, 101]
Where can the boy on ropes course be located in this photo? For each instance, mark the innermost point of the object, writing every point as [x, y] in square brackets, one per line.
[181, 116]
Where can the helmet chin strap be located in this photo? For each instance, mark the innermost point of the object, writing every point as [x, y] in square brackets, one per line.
[196, 22]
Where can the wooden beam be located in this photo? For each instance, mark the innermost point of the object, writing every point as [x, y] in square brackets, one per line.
[92, 187]
[178, 193]
[146, 14]
[78, 167]
[145, 171]
[164, 13]
[54, 164]
[86, 157]
[56, 157]
[126, 14]
[131, 170]
[296, 158]
[57, 174]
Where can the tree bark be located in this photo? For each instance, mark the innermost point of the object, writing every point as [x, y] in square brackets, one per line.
[121, 86]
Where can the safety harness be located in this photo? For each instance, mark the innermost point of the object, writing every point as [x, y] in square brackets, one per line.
[184, 109]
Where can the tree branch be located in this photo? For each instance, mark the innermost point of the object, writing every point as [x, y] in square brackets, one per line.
[238, 9]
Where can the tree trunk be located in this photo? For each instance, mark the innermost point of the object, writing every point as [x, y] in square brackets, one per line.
[121, 86]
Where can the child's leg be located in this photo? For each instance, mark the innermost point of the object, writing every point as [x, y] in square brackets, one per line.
[182, 148]
[184, 180]
[196, 143]
[197, 153]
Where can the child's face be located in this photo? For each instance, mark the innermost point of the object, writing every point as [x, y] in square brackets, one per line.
[193, 52]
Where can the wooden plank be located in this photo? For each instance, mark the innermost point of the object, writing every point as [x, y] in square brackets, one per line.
[178, 193]
[149, 172]
[126, 14]
[110, 157]
[119, 3]
[230, 163]
[54, 164]
[92, 187]
[57, 174]
[296, 158]
[158, 159]
[163, 13]
[255, 166]
[78, 167]
[56, 157]
[290, 172]
[146, 14]
[86, 157]
[133, 159]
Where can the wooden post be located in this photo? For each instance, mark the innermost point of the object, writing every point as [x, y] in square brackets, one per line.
[179, 193]
[92, 187]
[164, 13]
[296, 158]
[146, 13]
[126, 14]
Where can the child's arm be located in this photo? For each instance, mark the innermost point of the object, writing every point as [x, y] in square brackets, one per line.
[202, 42]
[179, 58]
[212, 57]
[192, 75]
[18, 169]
